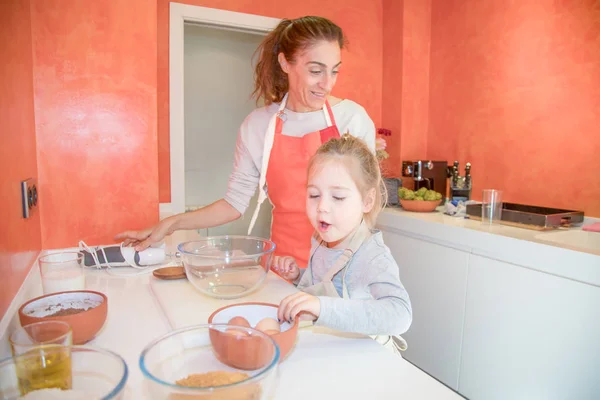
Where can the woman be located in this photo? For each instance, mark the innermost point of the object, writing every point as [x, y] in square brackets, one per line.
[296, 72]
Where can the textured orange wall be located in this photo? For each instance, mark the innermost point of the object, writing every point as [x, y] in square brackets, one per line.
[406, 54]
[95, 108]
[415, 77]
[360, 78]
[20, 239]
[392, 99]
[515, 90]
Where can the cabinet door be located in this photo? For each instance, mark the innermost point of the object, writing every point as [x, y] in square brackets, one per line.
[529, 335]
[435, 277]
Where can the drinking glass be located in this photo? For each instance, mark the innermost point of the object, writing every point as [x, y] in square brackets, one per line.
[42, 354]
[62, 272]
[491, 207]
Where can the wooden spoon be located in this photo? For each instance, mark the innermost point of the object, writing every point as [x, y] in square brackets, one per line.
[170, 273]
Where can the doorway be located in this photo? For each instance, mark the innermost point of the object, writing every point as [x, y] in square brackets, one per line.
[218, 76]
[203, 132]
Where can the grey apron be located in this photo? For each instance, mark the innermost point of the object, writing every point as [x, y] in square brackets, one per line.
[327, 288]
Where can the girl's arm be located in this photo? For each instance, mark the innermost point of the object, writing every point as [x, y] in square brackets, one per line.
[389, 312]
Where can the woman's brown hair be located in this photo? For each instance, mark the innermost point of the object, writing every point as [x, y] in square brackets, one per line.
[290, 36]
[362, 166]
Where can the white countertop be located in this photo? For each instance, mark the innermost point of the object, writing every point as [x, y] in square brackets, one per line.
[323, 364]
[541, 237]
[559, 252]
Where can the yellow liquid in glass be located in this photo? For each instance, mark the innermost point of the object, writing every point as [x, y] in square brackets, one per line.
[44, 367]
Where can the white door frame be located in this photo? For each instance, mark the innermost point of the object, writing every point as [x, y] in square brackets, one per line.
[179, 15]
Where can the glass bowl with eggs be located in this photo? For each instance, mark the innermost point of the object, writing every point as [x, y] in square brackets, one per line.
[226, 267]
[210, 362]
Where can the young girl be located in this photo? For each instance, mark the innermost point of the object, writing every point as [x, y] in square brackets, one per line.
[352, 282]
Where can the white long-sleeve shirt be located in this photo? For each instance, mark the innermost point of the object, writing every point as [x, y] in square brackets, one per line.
[349, 117]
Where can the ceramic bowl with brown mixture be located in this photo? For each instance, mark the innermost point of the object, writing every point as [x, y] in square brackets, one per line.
[84, 310]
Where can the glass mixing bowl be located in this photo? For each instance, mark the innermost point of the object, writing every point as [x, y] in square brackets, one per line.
[227, 267]
[93, 373]
[207, 355]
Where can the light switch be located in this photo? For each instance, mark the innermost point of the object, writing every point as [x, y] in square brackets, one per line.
[29, 196]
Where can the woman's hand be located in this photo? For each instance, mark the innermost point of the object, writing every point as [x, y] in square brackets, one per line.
[141, 240]
[299, 303]
[286, 267]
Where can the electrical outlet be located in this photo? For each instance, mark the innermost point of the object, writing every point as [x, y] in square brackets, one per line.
[29, 196]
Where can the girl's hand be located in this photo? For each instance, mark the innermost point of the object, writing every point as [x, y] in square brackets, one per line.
[286, 267]
[297, 303]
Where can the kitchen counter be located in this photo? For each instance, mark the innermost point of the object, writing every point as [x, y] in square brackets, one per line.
[491, 303]
[572, 253]
[542, 237]
[323, 365]
[458, 273]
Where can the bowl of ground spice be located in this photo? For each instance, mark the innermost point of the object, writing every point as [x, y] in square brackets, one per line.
[84, 310]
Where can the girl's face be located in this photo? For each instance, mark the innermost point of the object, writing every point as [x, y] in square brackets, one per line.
[334, 204]
[312, 75]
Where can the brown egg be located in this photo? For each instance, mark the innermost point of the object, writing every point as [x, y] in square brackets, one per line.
[272, 332]
[239, 321]
[268, 324]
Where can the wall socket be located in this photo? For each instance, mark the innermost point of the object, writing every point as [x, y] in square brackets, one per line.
[29, 196]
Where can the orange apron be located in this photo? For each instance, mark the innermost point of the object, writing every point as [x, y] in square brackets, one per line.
[288, 158]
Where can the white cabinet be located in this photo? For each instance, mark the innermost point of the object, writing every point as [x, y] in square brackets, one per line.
[435, 277]
[528, 335]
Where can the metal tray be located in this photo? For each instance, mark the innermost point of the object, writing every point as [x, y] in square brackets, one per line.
[531, 217]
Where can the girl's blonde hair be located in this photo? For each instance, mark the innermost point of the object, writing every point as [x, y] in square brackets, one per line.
[362, 165]
[288, 37]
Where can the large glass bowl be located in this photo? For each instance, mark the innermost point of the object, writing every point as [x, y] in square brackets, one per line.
[227, 267]
[202, 354]
[95, 374]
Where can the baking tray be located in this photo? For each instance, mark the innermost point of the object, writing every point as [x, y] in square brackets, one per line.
[531, 217]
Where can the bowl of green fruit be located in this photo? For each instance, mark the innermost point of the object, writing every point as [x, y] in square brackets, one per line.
[422, 200]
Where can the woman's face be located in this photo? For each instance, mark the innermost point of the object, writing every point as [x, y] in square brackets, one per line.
[312, 75]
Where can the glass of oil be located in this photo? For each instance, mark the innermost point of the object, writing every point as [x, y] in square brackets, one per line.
[42, 354]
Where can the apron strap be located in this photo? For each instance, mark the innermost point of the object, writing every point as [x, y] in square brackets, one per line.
[361, 234]
[269, 138]
[345, 292]
[339, 265]
[328, 114]
[365, 234]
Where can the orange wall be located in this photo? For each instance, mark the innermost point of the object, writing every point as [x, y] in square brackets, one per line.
[95, 108]
[515, 90]
[392, 99]
[20, 239]
[415, 77]
[406, 54]
[360, 79]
